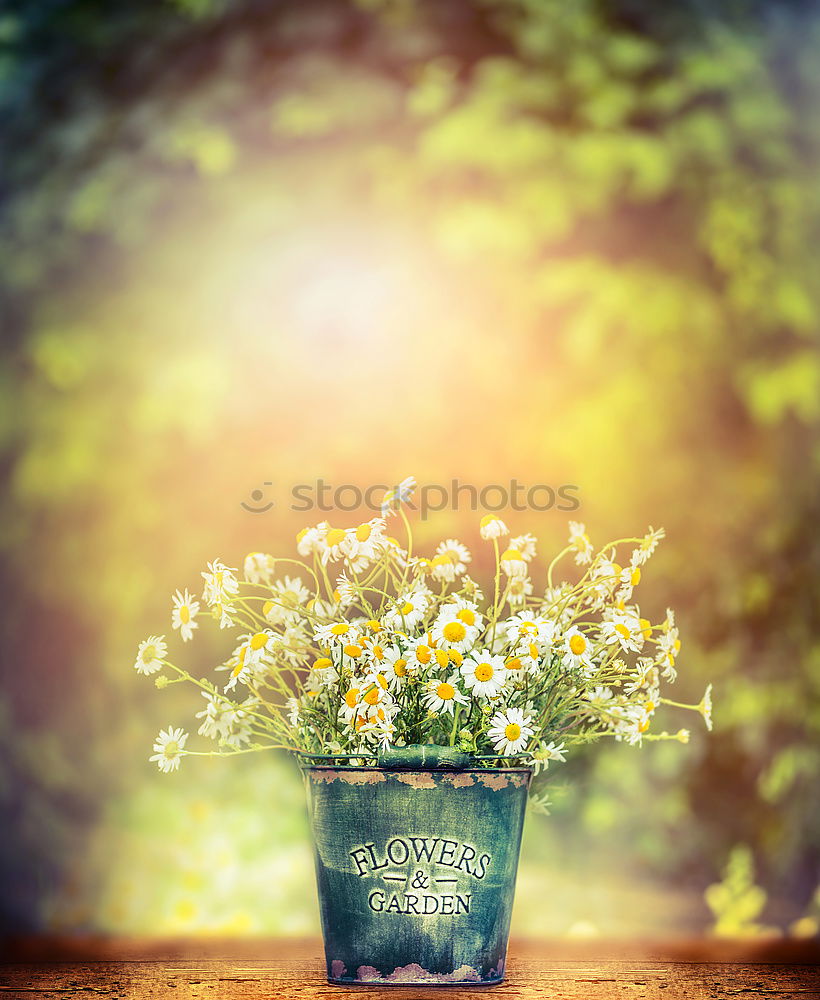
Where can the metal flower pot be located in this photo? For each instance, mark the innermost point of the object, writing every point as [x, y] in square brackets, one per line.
[416, 859]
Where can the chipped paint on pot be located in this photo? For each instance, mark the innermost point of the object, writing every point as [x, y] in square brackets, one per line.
[416, 870]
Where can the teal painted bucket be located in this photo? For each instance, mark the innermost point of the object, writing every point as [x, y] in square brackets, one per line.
[416, 867]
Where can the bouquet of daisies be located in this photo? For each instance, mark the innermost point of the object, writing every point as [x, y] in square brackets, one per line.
[362, 645]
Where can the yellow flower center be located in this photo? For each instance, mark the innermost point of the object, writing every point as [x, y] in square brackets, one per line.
[423, 654]
[635, 578]
[455, 657]
[340, 628]
[533, 651]
[406, 608]
[184, 614]
[149, 653]
[445, 691]
[353, 650]
[323, 663]
[267, 607]
[646, 627]
[378, 652]
[442, 659]
[400, 668]
[488, 519]
[374, 626]
[649, 706]
[622, 630]
[514, 663]
[577, 644]
[454, 631]
[171, 748]
[335, 536]
[301, 534]
[382, 681]
[259, 640]
[525, 627]
[466, 615]
[352, 697]
[363, 532]
[512, 555]
[372, 696]
[512, 731]
[484, 671]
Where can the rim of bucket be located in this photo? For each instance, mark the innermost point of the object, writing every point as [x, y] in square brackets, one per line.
[317, 761]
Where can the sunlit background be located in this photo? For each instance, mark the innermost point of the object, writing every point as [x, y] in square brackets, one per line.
[246, 245]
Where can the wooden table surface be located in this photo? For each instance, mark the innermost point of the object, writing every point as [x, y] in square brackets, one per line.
[294, 970]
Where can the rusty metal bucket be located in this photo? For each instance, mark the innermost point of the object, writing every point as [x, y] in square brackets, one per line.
[416, 860]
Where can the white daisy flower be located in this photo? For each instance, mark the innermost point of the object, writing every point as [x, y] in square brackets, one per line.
[668, 647]
[529, 627]
[510, 731]
[222, 720]
[705, 707]
[442, 569]
[576, 650]
[444, 695]
[456, 553]
[460, 609]
[400, 494]
[220, 583]
[491, 526]
[150, 655]
[292, 711]
[345, 593]
[292, 593]
[515, 668]
[409, 611]
[531, 654]
[394, 666]
[647, 546]
[258, 567]
[350, 704]
[335, 633]
[322, 674]
[484, 674]
[518, 590]
[513, 563]
[625, 629]
[223, 613]
[629, 579]
[599, 695]
[364, 544]
[351, 655]
[169, 749]
[645, 674]
[579, 540]
[310, 541]
[259, 645]
[419, 656]
[331, 548]
[545, 753]
[451, 632]
[526, 545]
[183, 615]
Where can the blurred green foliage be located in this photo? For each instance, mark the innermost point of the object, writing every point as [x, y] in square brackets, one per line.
[608, 213]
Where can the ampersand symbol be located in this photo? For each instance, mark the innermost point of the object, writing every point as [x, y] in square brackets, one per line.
[419, 881]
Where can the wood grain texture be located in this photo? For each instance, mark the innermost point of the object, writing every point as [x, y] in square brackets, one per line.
[297, 973]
